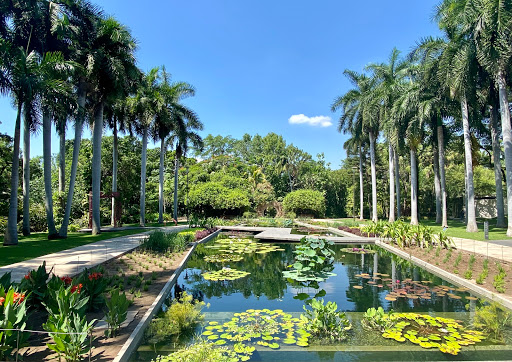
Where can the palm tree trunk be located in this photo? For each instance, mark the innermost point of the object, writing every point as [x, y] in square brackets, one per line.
[397, 184]
[442, 175]
[11, 232]
[470, 211]
[47, 172]
[437, 187]
[391, 183]
[374, 177]
[161, 182]
[62, 155]
[26, 177]
[496, 151]
[142, 219]
[414, 188]
[176, 165]
[96, 168]
[114, 173]
[361, 196]
[507, 142]
[63, 232]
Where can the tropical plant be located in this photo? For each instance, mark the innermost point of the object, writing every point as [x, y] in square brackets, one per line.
[377, 319]
[492, 319]
[117, 310]
[325, 322]
[13, 319]
[94, 285]
[34, 283]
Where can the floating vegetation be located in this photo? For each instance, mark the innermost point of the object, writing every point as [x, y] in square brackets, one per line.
[358, 251]
[223, 258]
[225, 274]
[267, 328]
[446, 334]
[242, 246]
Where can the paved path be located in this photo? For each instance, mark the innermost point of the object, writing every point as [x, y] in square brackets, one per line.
[73, 261]
[495, 249]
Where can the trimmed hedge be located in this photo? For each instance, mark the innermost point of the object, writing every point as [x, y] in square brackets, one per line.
[305, 202]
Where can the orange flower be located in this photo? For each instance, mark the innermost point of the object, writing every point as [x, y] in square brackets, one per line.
[27, 276]
[67, 280]
[2, 300]
[77, 288]
[18, 297]
[95, 276]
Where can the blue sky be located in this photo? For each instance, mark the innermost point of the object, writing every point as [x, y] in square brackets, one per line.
[255, 64]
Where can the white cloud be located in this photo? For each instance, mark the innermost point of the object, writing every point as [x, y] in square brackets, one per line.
[322, 121]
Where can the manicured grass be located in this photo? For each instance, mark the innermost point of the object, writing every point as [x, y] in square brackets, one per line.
[155, 224]
[457, 229]
[37, 244]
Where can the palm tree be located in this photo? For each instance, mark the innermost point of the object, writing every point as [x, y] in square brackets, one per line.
[458, 69]
[112, 65]
[389, 77]
[359, 106]
[83, 18]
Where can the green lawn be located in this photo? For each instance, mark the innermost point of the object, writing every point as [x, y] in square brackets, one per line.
[37, 244]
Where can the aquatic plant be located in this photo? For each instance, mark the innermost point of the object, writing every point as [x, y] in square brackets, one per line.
[242, 246]
[446, 334]
[377, 319]
[201, 351]
[313, 261]
[225, 274]
[223, 258]
[267, 328]
[492, 320]
[324, 321]
[181, 318]
[358, 251]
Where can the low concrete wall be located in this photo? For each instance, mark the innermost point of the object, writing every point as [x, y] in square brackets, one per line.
[135, 338]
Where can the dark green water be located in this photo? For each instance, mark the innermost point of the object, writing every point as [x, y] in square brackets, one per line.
[265, 287]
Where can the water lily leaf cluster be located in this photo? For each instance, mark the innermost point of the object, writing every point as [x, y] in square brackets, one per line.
[267, 328]
[223, 258]
[242, 246]
[313, 261]
[446, 334]
[358, 251]
[225, 274]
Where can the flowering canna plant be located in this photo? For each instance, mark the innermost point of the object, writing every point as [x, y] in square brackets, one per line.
[12, 316]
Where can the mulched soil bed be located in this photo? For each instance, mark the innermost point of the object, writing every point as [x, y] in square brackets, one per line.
[125, 267]
[355, 231]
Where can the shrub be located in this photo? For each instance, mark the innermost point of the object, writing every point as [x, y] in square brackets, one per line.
[325, 322]
[159, 241]
[305, 202]
[116, 313]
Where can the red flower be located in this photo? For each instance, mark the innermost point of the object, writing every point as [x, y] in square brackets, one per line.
[95, 276]
[76, 288]
[2, 300]
[27, 276]
[67, 280]
[18, 297]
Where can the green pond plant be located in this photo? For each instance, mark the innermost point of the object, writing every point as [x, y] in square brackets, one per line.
[223, 258]
[446, 334]
[325, 322]
[492, 320]
[242, 246]
[377, 319]
[266, 328]
[201, 351]
[225, 274]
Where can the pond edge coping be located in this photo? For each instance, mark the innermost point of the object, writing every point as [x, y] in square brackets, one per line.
[133, 341]
[507, 303]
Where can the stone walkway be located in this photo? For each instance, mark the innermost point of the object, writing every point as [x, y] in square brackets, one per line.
[73, 261]
[502, 251]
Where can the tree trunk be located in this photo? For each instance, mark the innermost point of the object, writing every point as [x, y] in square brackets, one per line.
[96, 168]
[62, 155]
[470, 211]
[47, 172]
[63, 232]
[397, 184]
[163, 149]
[496, 151]
[11, 232]
[176, 165]
[143, 162]
[26, 177]
[361, 196]
[115, 155]
[437, 187]
[374, 177]
[442, 173]
[391, 183]
[507, 143]
[414, 188]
